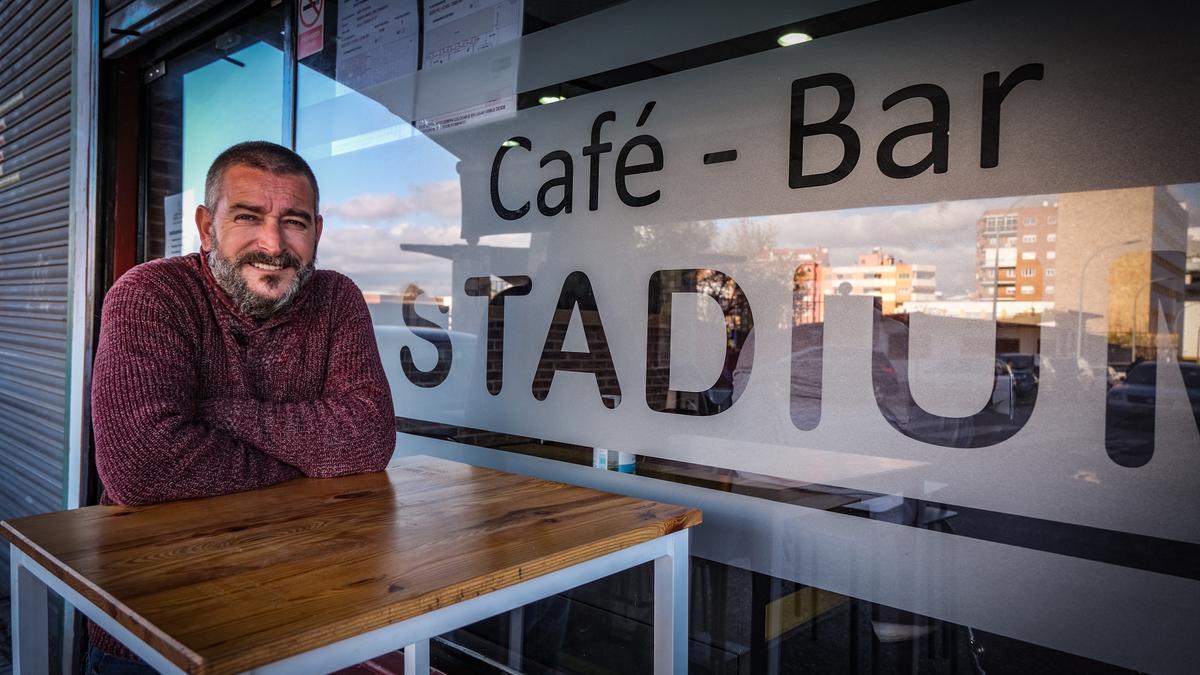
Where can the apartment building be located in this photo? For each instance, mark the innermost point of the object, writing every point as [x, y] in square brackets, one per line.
[892, 280]
[1016, 252]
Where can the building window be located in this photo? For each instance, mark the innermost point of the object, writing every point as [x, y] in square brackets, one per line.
[1050, 289]
[1028, 272]
[1010, 221]
[1029, 239]
[1027, 290]
[1051, 220]
[1028, 255]
[1009, 273]
[1009, 290]
[1051, 255]
[1049, 271]
[1031, 220]
[1052, 237]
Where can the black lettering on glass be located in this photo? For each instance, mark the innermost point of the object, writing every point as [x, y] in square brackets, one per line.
[597, 360]
[429, 332]
[593, 151]
[566, 181]
[938, 129]
[623, 170]
[994, 92]
[1129, 412]
[739, 321]
[482, 287]
[497, 205]
[999, 419]
[832, 126]
[808, 348]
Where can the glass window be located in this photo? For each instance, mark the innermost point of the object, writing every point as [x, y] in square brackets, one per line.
[575, 245]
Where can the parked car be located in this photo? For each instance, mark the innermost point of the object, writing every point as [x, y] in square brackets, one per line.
[1025, 373]
[1004, 391]
[1132, 402]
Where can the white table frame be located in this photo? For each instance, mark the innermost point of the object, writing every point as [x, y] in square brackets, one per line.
[30, 581]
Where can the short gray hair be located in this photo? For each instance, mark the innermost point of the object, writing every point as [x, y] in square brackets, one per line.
[263, 155]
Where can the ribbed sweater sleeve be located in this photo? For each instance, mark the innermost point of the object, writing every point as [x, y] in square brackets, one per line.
[151, 444]
[349, 429]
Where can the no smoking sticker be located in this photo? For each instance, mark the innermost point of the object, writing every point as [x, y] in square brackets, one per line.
[312, 27]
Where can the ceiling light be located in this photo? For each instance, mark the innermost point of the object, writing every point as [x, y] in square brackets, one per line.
[789, 39]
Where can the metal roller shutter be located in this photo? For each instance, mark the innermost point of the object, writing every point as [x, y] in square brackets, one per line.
[35, 151]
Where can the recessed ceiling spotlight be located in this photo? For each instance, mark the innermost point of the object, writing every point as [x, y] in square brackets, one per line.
[789, 39]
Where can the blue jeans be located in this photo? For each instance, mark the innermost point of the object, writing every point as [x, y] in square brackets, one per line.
[101, 663]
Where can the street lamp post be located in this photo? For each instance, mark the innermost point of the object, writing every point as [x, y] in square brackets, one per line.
[1133, 326]
[1082, 285]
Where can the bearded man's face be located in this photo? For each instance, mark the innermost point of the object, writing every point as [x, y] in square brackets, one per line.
[261, 237]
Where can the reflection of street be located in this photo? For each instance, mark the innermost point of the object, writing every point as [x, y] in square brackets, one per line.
[1129, 419]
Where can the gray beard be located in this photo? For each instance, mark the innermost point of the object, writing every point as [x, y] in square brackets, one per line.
[228, 276]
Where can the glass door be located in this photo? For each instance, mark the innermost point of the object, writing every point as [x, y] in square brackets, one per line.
[229, 86]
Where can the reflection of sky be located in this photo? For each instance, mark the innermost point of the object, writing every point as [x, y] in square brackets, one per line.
[225, 104]
[940, 234]
[397, 186]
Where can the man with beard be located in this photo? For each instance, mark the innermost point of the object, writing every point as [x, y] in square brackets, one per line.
[241, 366]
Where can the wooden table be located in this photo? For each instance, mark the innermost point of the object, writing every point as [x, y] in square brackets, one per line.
[317, 574]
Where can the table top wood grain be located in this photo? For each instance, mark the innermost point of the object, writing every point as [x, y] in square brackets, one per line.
[223, 584]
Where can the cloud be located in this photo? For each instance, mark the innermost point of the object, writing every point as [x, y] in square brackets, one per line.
[372, 257]
[440, 199]
[443, 198]
[369, 207]
[512, 240]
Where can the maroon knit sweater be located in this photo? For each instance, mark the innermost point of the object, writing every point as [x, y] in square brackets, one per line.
[192, 398]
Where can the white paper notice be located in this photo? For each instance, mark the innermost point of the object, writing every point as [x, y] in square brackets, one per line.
[458, 28]
[191, 238]
[173, 225]
[377, 41]
[479, 38]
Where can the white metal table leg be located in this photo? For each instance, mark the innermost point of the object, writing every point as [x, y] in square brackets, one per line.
[416, 658]
[30, 642]
[516, 635]
[670, 607]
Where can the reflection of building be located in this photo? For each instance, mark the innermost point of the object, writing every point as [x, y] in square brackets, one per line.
[806, 266]
[894, 281]
[1134, 273]
[1190, 349]
[1017, 323]
[1015, 249]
